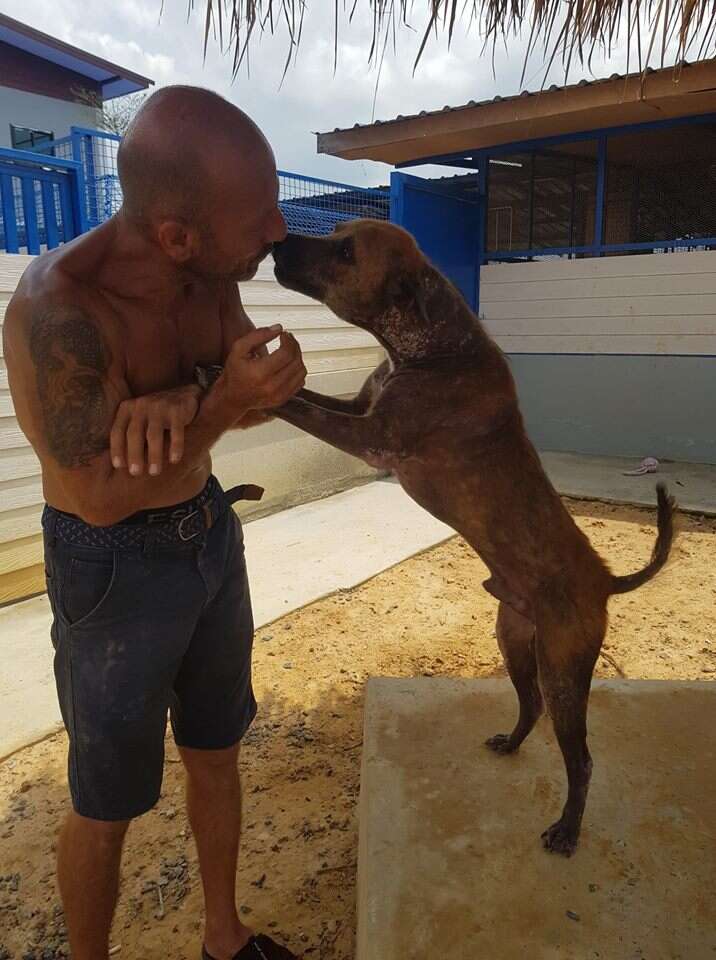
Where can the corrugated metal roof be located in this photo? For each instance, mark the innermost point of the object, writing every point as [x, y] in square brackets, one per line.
[471, 104]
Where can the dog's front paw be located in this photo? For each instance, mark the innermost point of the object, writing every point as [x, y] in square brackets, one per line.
[560, 838]
[501, 743]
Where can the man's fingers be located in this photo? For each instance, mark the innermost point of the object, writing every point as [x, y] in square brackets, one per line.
[155, 447]
[136, 440]
[287, 353]
[246, 345]
[118, 437]
[176, 440]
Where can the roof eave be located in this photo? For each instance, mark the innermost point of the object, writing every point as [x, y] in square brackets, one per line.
[603, 103]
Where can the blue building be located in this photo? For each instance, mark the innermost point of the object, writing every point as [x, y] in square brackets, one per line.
[580, 222]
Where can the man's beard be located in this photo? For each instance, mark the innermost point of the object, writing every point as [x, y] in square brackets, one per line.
[238, 273]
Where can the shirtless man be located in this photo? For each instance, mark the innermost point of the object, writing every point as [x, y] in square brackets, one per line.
[144, 556]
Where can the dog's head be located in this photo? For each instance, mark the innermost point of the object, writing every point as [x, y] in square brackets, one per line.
[373, 275]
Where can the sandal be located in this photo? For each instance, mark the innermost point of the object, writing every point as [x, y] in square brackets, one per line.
[258, 948]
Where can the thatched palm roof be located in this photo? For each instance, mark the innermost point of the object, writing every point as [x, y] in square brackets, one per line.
[569, 29]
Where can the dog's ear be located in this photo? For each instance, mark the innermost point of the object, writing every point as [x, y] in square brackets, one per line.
[406, 289]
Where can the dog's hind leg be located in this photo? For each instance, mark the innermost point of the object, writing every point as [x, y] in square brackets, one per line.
[567, 647]
[516, 639]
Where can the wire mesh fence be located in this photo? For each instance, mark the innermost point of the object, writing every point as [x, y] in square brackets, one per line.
[312, 206]
[309, 205]
[658, 193]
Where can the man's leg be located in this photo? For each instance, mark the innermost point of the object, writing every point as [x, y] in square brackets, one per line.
[88, 859]
[214, 806]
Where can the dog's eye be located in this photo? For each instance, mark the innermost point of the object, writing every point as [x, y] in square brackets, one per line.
[346, 251]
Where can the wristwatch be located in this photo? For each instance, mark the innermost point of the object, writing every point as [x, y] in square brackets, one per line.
[207, 376]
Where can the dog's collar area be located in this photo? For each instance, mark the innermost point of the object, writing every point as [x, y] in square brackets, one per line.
[435, 360]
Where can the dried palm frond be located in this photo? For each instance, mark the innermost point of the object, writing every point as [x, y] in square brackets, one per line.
[567, 28]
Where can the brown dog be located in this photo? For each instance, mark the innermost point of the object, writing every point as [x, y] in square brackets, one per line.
[442, 414]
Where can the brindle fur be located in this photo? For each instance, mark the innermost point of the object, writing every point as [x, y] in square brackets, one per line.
[442, 414]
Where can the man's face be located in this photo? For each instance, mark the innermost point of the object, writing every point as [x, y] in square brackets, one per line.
[245, 222]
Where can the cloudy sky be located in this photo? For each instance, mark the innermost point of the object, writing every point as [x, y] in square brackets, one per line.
[169, 49]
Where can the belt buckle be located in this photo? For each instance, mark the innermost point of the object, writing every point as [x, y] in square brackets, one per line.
[180, 527]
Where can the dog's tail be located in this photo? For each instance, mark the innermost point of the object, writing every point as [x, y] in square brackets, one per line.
[660, 554]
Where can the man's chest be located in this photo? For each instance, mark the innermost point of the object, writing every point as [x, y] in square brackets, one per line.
[162, 351]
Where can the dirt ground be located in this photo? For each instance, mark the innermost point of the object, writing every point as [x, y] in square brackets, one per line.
[301, 759]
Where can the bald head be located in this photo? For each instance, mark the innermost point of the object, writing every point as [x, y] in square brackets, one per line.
[178, 150]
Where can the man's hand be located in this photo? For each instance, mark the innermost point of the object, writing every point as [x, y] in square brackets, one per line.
[137, 437]
[255, 380]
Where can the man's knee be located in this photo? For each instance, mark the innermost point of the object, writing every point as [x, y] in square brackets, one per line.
[104, 833]
[210, 764]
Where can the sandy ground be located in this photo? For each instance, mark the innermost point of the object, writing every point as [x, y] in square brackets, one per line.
[301, 760]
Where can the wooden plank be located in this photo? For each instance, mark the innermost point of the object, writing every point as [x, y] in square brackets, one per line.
[11, 436]
[23, 583]
[300, 316]
[255, 293]
[16, 464]
[7, 408]
[646, 346]
[696, 305]
[345, 360]
[612, 326]
[21, 493]
[351, 338]
[638, 265]
[601, 287]
[20, 553]
[18, 524]
[12, 267]
[340, 383]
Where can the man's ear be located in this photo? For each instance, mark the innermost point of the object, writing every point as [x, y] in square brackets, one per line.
[177, 240]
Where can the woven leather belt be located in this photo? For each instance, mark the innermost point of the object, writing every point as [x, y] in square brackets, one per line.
[169, 526]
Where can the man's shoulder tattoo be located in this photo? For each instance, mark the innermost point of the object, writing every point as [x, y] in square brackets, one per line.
[71, 361]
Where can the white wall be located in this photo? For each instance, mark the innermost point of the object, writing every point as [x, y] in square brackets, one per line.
[649, 304]
[24, 109]
[614, 355]
[292, 466]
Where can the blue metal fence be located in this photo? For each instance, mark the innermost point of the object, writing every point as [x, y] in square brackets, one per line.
[309, 205]
[41, 201]
[315, 206]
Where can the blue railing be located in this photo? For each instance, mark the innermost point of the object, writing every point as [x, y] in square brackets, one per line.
[309, 204]
[96, 151]
[41, 201]
[314, 206]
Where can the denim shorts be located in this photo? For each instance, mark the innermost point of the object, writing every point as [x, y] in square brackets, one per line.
[139, 634]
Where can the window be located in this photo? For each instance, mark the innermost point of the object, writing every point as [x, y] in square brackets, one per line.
[542, 200]
[661, 185]
[23, 138]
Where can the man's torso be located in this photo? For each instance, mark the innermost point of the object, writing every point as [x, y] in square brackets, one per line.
[150, 348]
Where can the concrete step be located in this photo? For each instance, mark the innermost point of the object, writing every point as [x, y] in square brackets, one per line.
[451, 866]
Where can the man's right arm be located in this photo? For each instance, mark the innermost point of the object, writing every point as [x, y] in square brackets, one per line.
[78, 387]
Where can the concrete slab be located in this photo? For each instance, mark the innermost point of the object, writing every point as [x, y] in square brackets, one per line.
[450, 862]
[601, 478]
[294, 557]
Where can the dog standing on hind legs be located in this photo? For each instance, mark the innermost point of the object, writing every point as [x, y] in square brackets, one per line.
[442, 414]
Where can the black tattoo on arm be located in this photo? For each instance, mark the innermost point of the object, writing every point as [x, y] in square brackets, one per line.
[71, 362]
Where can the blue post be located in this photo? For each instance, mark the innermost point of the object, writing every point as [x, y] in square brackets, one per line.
[91, 182]
[7, 199]
[32, 235]
[484, 161]
[50, 215]
[69, 230]
[601, 188]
